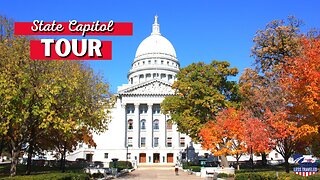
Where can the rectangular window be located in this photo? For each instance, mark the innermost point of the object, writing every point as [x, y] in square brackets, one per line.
[143, 142]
[156, 142]
[106, 155]
[184, 156]
[129, 142]
[169, 142]
[182, 142]
[169, 125]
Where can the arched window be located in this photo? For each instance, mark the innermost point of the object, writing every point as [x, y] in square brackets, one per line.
[143, 124]
[130, 124]
[156, 124]
[148, 76]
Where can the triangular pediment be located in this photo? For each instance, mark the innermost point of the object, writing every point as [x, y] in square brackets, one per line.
[152, 87]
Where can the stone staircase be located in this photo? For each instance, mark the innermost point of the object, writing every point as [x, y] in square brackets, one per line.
[145, 166]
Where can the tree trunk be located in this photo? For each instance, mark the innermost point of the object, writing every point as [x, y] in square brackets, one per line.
[238, 165]
[61, 161]
[14, 161]
[224, 161]
[63, 158]
[1, 145]
[29, 161]
[286, 164]
[251, 157]
[264, 159]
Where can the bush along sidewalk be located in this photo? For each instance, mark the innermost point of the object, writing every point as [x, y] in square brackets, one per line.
[51, 176]
[272, 175]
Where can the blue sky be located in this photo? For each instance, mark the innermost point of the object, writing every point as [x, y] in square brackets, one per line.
[199, 30]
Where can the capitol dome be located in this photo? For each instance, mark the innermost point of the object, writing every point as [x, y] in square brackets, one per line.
[155, 44]
[155, 59]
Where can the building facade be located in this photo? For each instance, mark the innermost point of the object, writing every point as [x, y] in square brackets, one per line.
[139, 132]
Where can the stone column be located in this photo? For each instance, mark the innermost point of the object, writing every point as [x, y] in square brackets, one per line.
[136, 126]
[123, 114]
[176, 137]
[163, 131]
[149, 128]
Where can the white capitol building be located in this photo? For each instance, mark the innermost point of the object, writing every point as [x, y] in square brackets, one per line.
[138, 127]
[139, 132]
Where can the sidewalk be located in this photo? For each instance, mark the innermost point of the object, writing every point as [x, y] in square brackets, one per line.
[159, 173]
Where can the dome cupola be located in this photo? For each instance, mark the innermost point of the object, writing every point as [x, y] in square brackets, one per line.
[155, 58]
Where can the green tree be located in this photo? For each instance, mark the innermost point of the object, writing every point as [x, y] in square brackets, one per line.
[201, 91]
[274, 44]
[41, 98]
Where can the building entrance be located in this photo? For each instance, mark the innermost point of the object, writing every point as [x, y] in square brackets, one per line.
[89, 157]
[156, 157]
[142, 157]
[170, 158]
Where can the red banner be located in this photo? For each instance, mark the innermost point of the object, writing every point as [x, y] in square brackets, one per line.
[74, 28]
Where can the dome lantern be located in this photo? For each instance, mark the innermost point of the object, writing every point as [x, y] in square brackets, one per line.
[155, 27]
[155, 58]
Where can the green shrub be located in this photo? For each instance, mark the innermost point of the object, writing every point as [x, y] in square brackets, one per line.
[195, 168]
[271, 175]
[124, 165]
[224, 175]
[314, 177]
[185, 165]
[97, 175]
[52, 176]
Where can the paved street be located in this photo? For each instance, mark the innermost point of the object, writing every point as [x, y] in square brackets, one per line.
[158, 173]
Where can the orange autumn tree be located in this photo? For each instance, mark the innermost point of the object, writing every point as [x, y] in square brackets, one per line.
[283, 134]
[256, 136]
[302, 80]
[225, 135]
